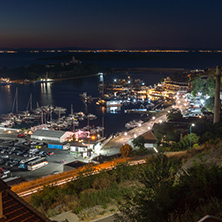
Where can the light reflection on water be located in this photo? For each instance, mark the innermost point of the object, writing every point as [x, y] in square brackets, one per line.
[46, 95]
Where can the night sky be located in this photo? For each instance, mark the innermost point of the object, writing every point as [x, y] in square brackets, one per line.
[122, 24]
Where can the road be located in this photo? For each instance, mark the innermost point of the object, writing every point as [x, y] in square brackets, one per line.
[113, 146]
[63, 179]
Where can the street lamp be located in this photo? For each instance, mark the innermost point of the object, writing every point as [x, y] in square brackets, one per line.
[190, 132]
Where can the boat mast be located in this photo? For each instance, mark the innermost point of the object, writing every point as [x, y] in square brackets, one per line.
[59, 120]
[29, 102]
[42, 117]
[71, 109]
[102, 126]
[15, 102]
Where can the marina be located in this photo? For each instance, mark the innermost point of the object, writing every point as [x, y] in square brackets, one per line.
[64, 105]
[122, 96]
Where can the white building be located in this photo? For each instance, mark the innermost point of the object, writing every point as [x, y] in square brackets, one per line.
[51, 135]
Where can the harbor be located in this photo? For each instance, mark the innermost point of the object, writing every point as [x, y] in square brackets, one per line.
[122, 97]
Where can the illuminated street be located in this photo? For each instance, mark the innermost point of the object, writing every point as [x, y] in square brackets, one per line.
[113, 146]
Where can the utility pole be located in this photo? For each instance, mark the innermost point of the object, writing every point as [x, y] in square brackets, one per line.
[217, 96]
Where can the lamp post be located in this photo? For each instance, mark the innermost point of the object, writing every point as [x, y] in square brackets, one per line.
[190, 132]
[88, 150]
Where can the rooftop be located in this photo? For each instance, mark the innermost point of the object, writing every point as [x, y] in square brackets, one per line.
[15, 209]
[49, 133]
[149, 136]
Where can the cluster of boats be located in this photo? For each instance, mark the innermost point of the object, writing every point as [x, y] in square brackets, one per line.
[124, 92]
[45, 117]
[133, 124]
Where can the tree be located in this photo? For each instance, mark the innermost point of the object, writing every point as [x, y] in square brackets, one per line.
[166, 195]
[166, 132]
[197, 86]
[186, 140]
[151, 202]
[210, 86]
[174, 114]
[209, 104]
[125, 150]
[139, 142]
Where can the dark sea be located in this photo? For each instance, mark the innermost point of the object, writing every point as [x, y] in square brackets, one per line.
[66, 93]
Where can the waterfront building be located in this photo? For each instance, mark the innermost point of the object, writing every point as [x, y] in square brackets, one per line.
[51, 135]
[174, 86]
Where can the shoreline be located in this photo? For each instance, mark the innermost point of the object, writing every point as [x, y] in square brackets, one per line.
[114, 70]
[146, 69]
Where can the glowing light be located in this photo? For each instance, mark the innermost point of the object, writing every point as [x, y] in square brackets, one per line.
[155, 149]
[93, 137]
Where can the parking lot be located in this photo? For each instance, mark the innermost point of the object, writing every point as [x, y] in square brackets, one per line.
[14, 149]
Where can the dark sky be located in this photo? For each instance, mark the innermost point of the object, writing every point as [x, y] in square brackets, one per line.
[111, 23]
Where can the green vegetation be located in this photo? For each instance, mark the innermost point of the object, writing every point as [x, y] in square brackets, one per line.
[176, 136]
[197, 86]
[139, 142]
[174, 114]
[206, 88]
[169, 196]
[55, 71]
[125, 150]
[85, 192]
[159, 190]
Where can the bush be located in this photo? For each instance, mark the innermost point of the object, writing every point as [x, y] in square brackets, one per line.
[125, 150]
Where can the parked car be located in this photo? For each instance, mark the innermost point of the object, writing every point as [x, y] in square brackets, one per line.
[4, 173]
[14, 163]
[4, 156]
[50, 153]
[20, 153]
[2, 161]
